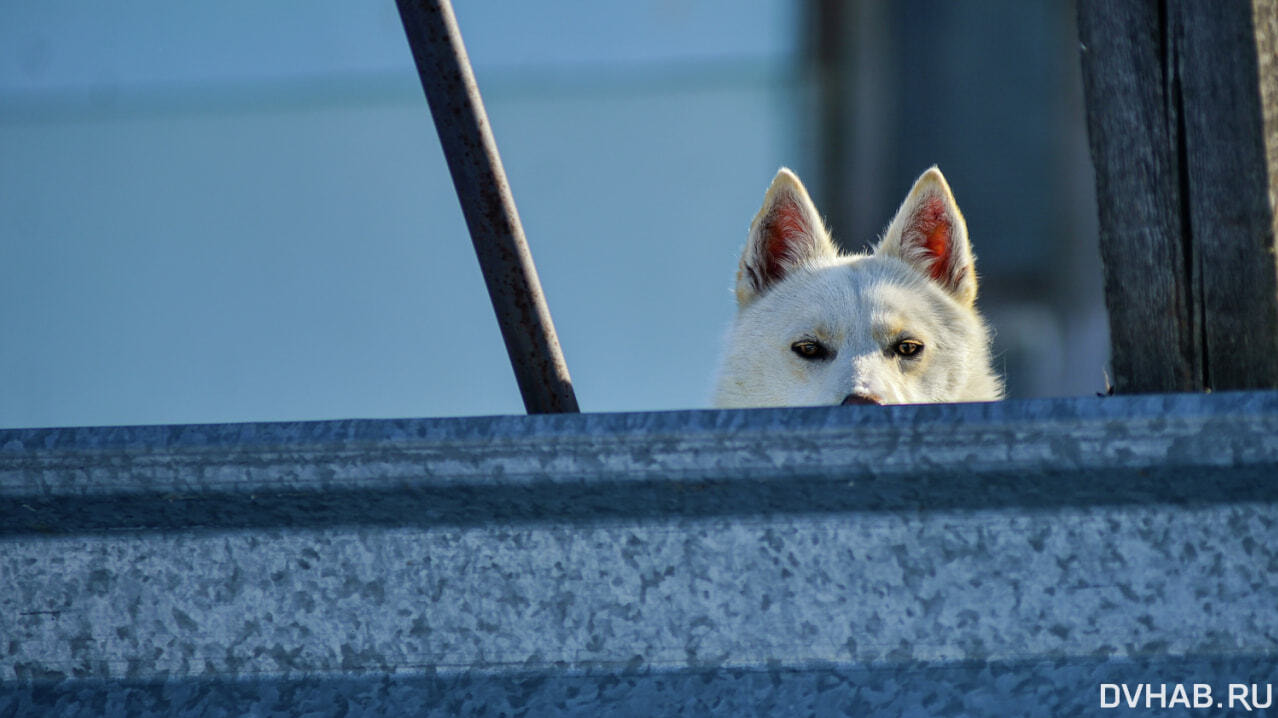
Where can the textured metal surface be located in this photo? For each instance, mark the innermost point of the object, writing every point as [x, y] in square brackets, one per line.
[1000, 559]
[489, 207]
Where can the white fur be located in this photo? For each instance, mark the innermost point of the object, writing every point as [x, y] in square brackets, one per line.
[860, 307]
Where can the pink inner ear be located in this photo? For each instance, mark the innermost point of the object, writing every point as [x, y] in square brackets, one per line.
[784, 229]
[931, 230]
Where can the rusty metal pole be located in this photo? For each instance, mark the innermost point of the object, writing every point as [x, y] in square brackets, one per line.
[489, 208]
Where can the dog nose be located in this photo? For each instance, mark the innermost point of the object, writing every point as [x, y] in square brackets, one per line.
[861, 399]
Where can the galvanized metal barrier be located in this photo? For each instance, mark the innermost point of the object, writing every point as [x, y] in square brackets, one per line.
[989, 559]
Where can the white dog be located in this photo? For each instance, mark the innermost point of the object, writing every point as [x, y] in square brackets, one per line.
[898, 326]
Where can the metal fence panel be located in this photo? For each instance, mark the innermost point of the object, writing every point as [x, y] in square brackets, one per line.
[996, 559]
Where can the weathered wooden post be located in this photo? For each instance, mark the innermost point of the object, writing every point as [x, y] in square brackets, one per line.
[1181, 114]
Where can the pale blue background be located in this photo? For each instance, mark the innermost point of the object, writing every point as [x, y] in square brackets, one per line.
[239, 211]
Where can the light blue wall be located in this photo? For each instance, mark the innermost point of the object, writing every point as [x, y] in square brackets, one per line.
[240, 212]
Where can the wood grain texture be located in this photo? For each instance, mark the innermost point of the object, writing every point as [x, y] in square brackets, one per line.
[1230, 221]
[1265, 20]
[1177, 126]
[1132, 123]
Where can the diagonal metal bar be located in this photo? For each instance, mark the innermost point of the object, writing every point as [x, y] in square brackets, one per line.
[488, 205]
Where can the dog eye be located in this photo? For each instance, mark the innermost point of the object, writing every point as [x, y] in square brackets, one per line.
[908, 348]
[808, 349]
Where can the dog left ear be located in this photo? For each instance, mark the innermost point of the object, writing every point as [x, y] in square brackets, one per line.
[786, 234]
[929, 234]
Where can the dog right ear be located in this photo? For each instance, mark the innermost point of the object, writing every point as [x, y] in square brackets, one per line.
[785, 235]
[929, 234]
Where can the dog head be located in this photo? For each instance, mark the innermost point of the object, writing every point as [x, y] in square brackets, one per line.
[895, 326]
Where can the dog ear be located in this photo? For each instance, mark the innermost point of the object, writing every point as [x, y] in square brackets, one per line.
[929, 234]
[786, 234]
